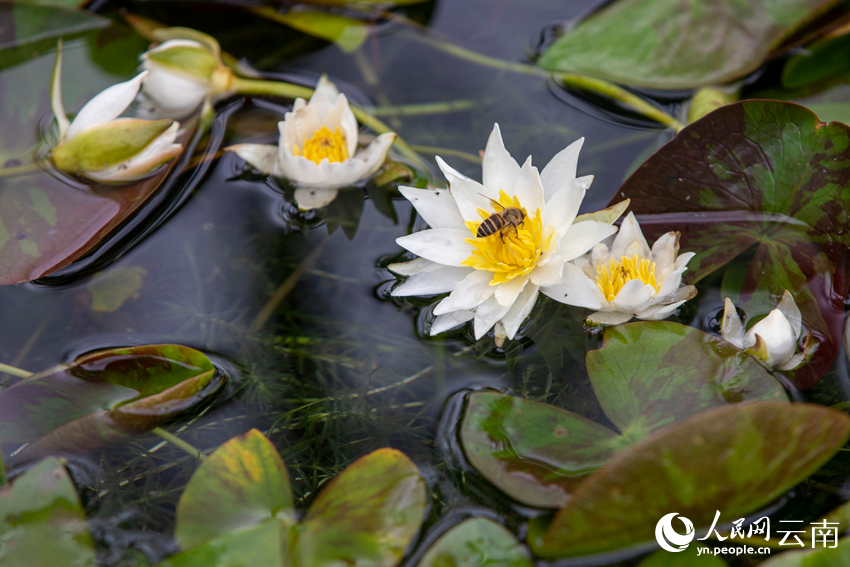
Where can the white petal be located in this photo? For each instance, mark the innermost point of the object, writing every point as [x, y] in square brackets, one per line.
[299, 126]
[506, 293]
[634, 296]
[520, 310]
[731, 328]
[789, 308]
[437, 207]
[178, 94]
[609, 318]
[778, 336]
[445, 322]
[528, 189]
[106, 106]
[473, 290]
[664, 254]
[468, 194]
[500, 170]
[433, 280]
[548, 274]
[683, 260]
[486, 316]
[260, 156]
[577, 289]
[670, 284]
[562, 208]
[412, 267]
[582, 237]
[628, 236]
[441, 245]
[309, 198]
[341, 116]
[658, 312]
[325, 96]
[561, 170]
[374, 155]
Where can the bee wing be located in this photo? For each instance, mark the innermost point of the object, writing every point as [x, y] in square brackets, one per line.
[496, 205]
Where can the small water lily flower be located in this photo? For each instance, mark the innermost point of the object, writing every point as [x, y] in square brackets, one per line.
[632, 280]
[774, 339]
[102, 147]
[495, 245]
[184, 73]
[317, 150]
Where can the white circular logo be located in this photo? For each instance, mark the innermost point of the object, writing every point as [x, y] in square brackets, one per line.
[668, 538]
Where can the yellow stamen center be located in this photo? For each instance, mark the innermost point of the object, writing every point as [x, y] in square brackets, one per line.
[612, 278]
[508, 253]
[324, 145]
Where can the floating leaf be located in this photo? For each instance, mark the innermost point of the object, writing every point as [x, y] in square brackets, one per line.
[243, 483]
[687, 558]
[764, 175]
[112, 289]
[668, 44]
[477, 542]
[735, 459]
[104, 396]
[826, 59]
[838, 556]
[366, 516]
[34, 22]
[257, 546]
[348, 33]
[646, 375]
[41, 520]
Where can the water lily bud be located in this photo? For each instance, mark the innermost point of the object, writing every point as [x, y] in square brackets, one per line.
[182, 74]
[777, 335]
[101, 146]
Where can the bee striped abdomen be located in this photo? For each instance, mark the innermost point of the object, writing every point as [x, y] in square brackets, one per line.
[491, 225]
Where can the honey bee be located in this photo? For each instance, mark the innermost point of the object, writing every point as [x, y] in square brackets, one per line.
[500, 221]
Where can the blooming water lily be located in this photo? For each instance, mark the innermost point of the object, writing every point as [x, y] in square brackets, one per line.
[183, 73]
[773, 339]
[317, 150]
[494, 280]
[632, 280]
[102, 147]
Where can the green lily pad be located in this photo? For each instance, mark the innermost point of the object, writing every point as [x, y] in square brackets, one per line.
[646, 375]
[768, 178]
[477, 542]
[258, 545]
[838, 556]
[34, 22]
[825, 60]
[348, 33]
[727, 459]
[103, 396]
[41, 520]
[668, 44]
[366, 516]
[243, 483]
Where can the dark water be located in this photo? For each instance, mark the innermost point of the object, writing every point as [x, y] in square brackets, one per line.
[340, 369]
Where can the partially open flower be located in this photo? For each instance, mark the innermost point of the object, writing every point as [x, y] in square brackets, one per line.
[773, 339]
[102, 147]
[630, 280]
[183, 73]
[495, 245]
[317, 150]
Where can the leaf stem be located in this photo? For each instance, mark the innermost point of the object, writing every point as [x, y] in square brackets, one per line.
[179, 443]
[19, 170]
[14, 371]
[584, 82]
[292, 91]
[424, 109]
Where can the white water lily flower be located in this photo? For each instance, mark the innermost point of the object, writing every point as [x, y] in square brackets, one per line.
[100, 146]
[182, 74]
[317, 150]
[630, 280]
[773, 339]
[494, 280]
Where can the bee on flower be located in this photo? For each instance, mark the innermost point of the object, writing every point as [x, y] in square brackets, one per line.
[631, 280]
[318, 148]
[774, 339]
[495, 269]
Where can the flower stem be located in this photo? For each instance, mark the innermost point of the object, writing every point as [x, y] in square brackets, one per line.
[179, 443]
[291, 91]
[585, 82]
[424, 109]
[19, 170]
